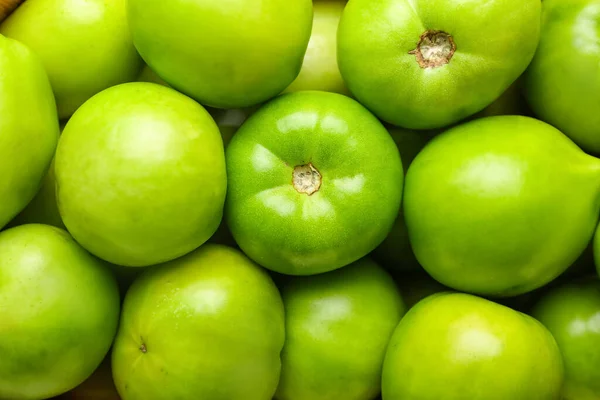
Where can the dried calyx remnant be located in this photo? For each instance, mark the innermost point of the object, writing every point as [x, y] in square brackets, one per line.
[306, 179]
[435, 49]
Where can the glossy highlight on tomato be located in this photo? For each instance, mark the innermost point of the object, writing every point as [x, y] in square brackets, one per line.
[425, 64]
[500, 206]
[323, 177]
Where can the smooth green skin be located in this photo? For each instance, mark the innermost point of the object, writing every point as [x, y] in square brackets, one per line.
[338, 325]
[225, 54]
[29, 116]
[320, 68]
[455, 346]
[59, 308]
[140, 174]
[561, 84]
[582, 268]
[495, 41]
[395, 252]
[572, 314]
[501, 205]
[85, 46]
[346, 218]
[212, 323]
[43, 208]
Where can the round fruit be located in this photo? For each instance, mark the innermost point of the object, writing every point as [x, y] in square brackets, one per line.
[321, 175]
[225, 54]
[140, 174]
[395, 252]
[426, 64]
[572, 314]
[454, 346]
[85, 45]
[209, 325]
[338, 325]
[560, 83]
[320, 68]
[59, 308]
[28, 127]
[501, 205]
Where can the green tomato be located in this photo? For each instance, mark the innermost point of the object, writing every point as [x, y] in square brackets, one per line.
[500, 206]
[209, 325]
[572, 314]
[85, 46]
[560, 84]
[395, 252]
[315, 183]
[455, 346]
[140, 175]
[583, 267]
[338, 325]
[43, 208]
[225, 54]
[320, 69]
[424, 64]
[59, 308]
[28, 127]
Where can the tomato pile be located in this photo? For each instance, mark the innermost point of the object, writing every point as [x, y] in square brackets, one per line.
[300, 200]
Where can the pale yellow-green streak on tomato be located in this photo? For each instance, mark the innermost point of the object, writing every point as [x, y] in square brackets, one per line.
[85, 45]
[227, 53]
[455, 346]
[209, 325]
[320, 69]
[28, 127]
